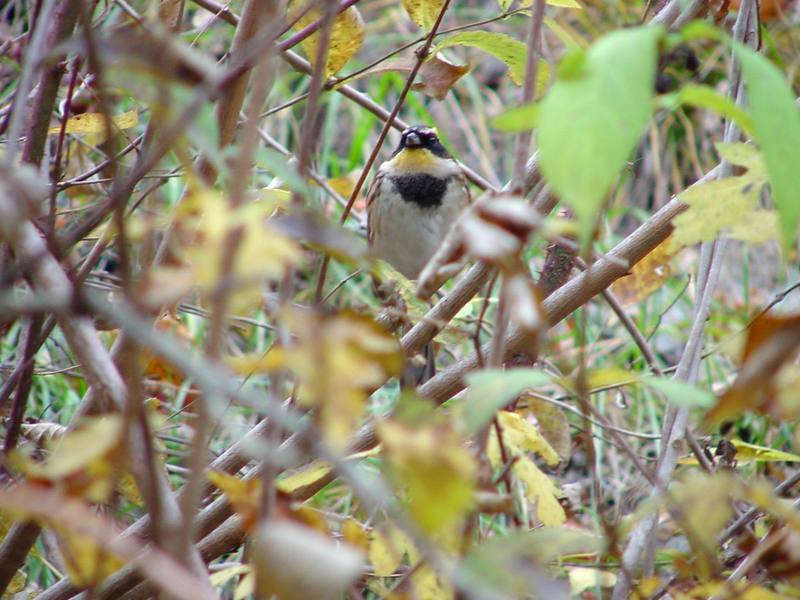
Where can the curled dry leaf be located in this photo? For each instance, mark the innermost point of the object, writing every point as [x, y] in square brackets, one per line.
[648, 275]
[524, 307]
[438, 76]
[294, 562]
[771, 343]
[347, 34]
[494, 229]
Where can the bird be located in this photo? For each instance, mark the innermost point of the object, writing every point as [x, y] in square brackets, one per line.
[413, 201]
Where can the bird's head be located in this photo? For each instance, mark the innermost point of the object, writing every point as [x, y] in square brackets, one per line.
[421, 138]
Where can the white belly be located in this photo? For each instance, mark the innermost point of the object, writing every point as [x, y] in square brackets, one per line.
[406, 235]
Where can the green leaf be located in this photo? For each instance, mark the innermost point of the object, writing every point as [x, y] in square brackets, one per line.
[702, 96]
[520, 118]
[681, 393]
[776, 122]
[492, 389]
[591, 120]
[504, 47]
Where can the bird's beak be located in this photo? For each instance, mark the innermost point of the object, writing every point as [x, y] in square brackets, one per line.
[413, 140]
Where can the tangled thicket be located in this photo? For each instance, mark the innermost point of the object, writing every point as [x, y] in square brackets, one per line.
[200, 359]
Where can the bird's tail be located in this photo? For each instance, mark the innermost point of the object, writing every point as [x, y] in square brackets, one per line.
[415, 375]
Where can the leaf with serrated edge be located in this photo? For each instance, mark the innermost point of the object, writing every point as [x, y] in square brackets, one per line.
[728, 205]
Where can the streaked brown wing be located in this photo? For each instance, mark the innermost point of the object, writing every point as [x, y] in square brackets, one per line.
[372, 194]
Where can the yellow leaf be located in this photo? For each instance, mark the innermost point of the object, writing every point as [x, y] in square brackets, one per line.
[222, 577]
[243, 495]
[96, 123]
[741, 590]
[436, 470]
[648, 275]
[204, 222]
[338, 361]
[85, 562]
[429, 586]
[520, 435]
[552, 424]
[303, 477]
[246, 587]
[345, 184]
[347, 35]
[423, 12]
[248, 364]
[129, 489]
[354, 534]
[728, 205]
[583, 578]
[503, 47]
[705, 508]
[746, 453]
[82, 460]
[541, 491]
[387, 547]
[17, 584]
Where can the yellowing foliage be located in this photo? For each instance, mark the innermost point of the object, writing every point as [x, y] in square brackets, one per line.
[337, 361]
[519, 437]
[423, 12]
[434, 468]
[96, 123]
[82, 462]
[728, 205]
[347, 34]
[646, 276]
[206, 227]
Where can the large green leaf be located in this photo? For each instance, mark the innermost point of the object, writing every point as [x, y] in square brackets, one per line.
[501, 46]
[594, 115]
[776, 121]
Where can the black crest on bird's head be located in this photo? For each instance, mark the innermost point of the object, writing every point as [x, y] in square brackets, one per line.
[421, 137]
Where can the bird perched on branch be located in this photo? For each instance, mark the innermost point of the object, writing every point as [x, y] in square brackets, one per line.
[415, 198]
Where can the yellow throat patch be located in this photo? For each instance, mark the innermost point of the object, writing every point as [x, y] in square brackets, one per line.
[414, 159]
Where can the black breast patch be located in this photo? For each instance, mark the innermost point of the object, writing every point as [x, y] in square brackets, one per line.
[426, 191]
